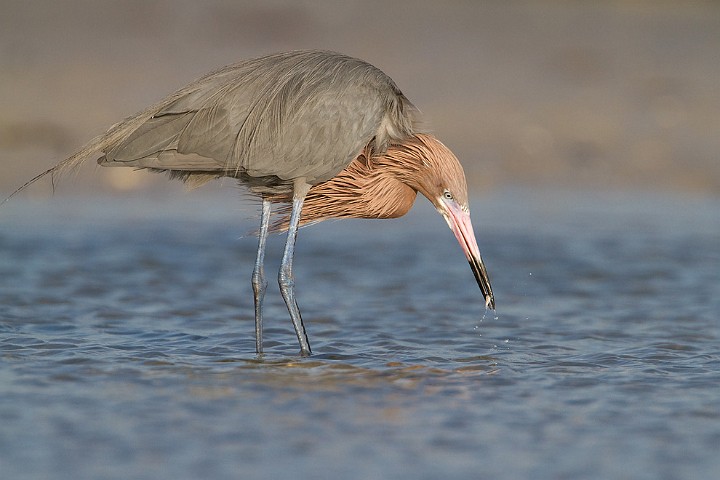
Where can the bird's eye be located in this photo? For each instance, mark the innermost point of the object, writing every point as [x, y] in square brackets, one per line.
[447, 195]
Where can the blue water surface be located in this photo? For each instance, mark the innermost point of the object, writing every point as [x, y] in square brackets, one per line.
[127, 349]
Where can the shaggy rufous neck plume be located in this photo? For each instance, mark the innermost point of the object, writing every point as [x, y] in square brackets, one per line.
[383, 185]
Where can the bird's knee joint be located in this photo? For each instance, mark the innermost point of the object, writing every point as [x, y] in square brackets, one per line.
[258, 281]
[259, 286]
[285, 279]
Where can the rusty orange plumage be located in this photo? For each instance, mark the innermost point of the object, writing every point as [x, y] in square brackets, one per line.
[382, 185]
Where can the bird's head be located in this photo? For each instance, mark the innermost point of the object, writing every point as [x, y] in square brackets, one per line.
[433, 170]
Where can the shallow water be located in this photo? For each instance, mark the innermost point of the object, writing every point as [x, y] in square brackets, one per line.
[126, 336]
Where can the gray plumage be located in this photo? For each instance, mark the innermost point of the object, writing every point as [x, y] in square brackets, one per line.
[267, 121]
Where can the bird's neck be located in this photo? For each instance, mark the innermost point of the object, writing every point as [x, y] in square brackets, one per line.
[381, 186]
[362, 190]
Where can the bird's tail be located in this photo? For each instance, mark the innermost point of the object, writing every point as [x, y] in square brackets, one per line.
[101, 143]
[68, 164]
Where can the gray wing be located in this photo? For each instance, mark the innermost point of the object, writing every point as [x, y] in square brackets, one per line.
[299, 114]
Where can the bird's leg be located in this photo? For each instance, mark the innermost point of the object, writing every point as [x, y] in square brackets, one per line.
[285, 276]
[258, 276]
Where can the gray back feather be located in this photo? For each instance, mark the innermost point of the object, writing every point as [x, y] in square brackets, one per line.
[265, 121]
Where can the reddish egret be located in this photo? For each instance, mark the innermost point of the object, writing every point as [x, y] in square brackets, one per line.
[329, 135]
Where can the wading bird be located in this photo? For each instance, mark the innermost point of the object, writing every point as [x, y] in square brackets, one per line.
[327, 135]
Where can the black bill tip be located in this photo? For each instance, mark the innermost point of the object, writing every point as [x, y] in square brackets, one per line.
[483, 281]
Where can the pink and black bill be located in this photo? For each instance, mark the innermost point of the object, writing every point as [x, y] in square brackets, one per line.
[459, 221]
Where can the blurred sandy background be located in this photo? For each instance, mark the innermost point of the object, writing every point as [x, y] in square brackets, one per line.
[547, 94]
